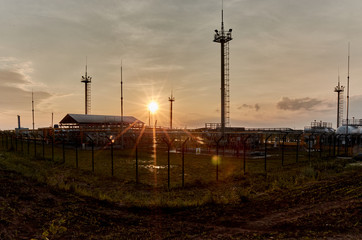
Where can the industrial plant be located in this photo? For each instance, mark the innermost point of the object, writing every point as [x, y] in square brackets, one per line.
[125, 131]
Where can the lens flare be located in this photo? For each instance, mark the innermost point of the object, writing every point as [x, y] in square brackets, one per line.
[215, 160]
[153, 107]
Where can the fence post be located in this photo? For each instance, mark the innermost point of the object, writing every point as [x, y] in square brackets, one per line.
[22, 143]
[34, 145]
[63, 147]
[137, 180]
[168, 166]
[169, 143]
[136, 140]
[346, 144]
[183, 162]
[338, 145]
[334, 145]
[76, 153]
[265, 151]
[28, 140]
[237, 148]
[43, 143]
[244, 152]
[111, 141]
[297, 151]
[321, 141]
[217, 157]
[53, 138]
[309, 147]
[92, 155]
[112, 157]
[284, 139]
[11, 142]
[329, 145]
[7, 142]
[16, 142]
[217, 161]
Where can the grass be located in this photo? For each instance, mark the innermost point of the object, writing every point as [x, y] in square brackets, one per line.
[200, 174]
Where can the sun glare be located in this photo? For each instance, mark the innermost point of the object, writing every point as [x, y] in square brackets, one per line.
[153, 107]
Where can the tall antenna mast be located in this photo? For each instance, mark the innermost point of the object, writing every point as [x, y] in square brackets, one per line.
[87, 81]
[348, 90]
[223, 37]
[339, 90]
[121, 106]
[32, 107]
[171, 99]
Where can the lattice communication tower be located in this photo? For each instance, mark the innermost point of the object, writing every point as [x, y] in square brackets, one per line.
[87, 81]
[171, 100]
[339, 90]
[224, 37]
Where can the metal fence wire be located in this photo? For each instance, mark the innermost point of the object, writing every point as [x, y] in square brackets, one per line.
[174, 158]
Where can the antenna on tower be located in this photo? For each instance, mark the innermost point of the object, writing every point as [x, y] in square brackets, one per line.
[223, 37]
[121, 106]
[32, 107]
[87, 81]
[347, 121]
[171, 99]
[222, 15]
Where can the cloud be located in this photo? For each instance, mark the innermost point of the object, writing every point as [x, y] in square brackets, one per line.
[13, 93]
[163, 68]
[256, 107]
[11, 78]
[298, 103]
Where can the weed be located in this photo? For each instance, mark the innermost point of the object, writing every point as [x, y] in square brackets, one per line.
[201, 188]
[55, 228]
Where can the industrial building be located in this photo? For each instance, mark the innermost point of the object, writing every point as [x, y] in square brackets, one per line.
[98, 129]
[99, 122]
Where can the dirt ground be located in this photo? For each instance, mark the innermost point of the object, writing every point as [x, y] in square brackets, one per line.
[330, 209]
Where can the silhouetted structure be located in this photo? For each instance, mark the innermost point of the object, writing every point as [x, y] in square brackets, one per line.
[32, 108]
[121, 106]
[171, 99]
[347, 121]
[98, 122]
[339, 90]
[87, 81]
[223, 37]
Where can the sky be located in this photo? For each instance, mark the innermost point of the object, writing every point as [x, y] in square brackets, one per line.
[285, 58]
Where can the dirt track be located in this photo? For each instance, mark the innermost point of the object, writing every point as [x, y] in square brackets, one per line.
[323, 210]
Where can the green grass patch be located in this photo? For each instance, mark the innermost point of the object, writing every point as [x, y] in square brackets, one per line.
[200, 188]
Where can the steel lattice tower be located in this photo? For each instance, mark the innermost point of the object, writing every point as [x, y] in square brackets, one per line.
[87, 81]
[339, 90]
[224, 37]
[171, 100]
